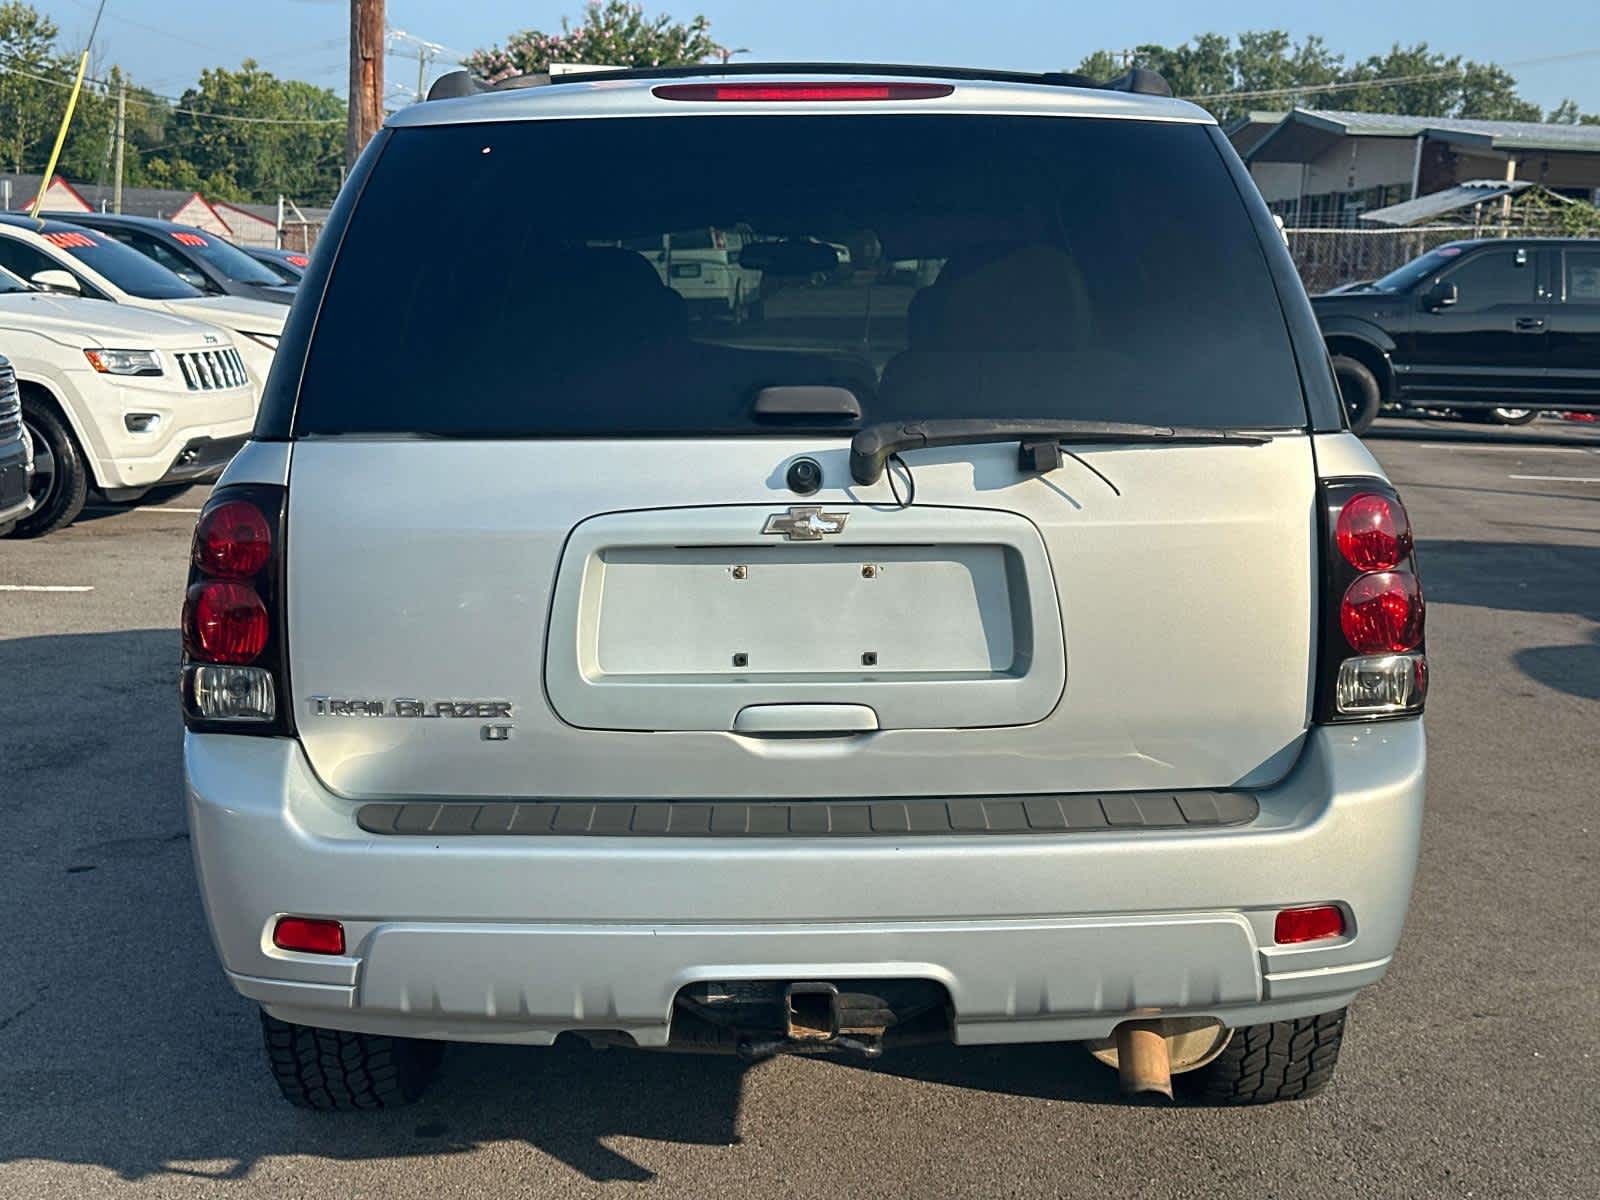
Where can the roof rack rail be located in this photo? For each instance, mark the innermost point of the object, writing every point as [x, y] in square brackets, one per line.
[1139, 80]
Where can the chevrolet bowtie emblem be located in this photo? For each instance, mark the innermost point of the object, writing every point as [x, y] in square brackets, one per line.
[806, 524]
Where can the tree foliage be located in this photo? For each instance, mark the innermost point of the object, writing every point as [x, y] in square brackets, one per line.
[29, 110]
[168, 144]
[614, 33]
[276, 150]
[1413, 80]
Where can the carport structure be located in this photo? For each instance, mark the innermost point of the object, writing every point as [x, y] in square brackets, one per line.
[1320, 167]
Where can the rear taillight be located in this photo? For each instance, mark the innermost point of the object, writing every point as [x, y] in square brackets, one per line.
[1373, 662]
[234, 664]
[802, 91]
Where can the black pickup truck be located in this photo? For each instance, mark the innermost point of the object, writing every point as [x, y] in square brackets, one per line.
[1496, 329]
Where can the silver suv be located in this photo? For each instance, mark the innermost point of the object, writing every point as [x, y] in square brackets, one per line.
[1015, 650]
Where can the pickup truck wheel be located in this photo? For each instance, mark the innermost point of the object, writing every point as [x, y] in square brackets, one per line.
[1359, 388]
[334, 1070]
[1513, 416]
[1283, 1060]
[60, 483]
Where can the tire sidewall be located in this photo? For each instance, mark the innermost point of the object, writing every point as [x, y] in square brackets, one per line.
[1358, 391]
[70, 489]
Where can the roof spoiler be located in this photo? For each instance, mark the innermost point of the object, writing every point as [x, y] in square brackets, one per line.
[1139, 80]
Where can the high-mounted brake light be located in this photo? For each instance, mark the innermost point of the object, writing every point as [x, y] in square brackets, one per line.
[799, 92]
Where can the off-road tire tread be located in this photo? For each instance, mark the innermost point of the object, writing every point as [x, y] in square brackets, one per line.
[334, 1070]
[1283, 1060]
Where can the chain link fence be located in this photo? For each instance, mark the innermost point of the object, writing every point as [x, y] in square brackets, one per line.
[1328, 258]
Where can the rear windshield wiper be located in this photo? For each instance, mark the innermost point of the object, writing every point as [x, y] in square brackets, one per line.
[870, 449]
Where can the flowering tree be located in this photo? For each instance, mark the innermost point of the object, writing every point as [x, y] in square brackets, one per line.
[616, 33]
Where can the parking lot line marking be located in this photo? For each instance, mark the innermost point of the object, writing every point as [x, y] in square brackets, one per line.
[43, 587]
[1560, 478]
[155, 508]
[1518, 449]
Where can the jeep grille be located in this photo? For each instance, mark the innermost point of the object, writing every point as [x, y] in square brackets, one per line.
[207, 370]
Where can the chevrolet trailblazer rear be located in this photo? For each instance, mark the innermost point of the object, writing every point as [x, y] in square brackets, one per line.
[1015, 649]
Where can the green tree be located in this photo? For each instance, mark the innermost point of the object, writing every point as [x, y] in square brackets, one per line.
[1414, 80]
[290, 140]
[615, 33]
[1568, 113]
[30, 110]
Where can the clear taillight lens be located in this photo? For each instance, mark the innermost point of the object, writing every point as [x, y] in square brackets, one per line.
[219, 693]
[1381, 684]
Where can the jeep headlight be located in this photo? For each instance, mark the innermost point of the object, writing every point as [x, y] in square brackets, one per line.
[124, 362]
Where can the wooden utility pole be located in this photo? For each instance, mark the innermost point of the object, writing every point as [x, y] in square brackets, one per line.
[366, 76]
[122, 141]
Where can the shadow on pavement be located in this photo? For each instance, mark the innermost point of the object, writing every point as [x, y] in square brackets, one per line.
[121, 1045]
[1535, 577]
[1541, 434]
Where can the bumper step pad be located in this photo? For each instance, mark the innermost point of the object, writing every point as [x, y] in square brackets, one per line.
[1047, 814]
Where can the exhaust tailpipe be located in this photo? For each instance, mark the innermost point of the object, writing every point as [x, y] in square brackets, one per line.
[1143, 1062]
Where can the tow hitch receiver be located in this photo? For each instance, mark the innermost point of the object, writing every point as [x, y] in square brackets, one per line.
[758, 1019]
[811, 1012]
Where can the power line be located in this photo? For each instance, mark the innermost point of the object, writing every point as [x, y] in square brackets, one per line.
[1389, 81]
[175, 103]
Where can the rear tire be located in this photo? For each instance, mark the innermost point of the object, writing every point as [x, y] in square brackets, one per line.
[1359, 389]
[333, 1070]
[61, 480]
[1283, 1060]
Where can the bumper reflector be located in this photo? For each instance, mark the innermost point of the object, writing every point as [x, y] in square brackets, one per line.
[308, 935]
[1308, 924]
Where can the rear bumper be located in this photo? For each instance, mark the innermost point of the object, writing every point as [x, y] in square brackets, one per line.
[1036, 937]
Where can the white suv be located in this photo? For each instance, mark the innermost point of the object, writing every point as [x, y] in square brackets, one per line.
[66, 258]
[705, 267]
[1029, 654]
[117, 399]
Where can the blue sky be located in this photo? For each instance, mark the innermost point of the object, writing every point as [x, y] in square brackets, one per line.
[165, 43]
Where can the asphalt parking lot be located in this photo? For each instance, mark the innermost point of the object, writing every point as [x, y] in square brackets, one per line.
[127, 1066]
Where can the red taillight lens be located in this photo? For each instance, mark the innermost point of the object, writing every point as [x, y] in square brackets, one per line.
[232, 541]
[224, 622]
[309, 935]
[821, 90]
[1308, 924]
[1382, 613]
[1373, 532]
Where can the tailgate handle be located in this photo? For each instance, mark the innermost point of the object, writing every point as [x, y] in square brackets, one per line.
[801, 720]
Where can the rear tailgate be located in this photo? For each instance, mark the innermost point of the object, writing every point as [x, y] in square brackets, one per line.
[1003, 635]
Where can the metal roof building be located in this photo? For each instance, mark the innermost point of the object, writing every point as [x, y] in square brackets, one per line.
[1327, 167]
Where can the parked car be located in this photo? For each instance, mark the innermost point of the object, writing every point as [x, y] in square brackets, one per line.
[1496, 329]
[199, 257]
[75, 260]
[16, 454]
[1041, 662]
[116, 399]
[289, 265]
[703, 266]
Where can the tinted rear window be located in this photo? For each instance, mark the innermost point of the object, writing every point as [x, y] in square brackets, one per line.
[519, 279]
